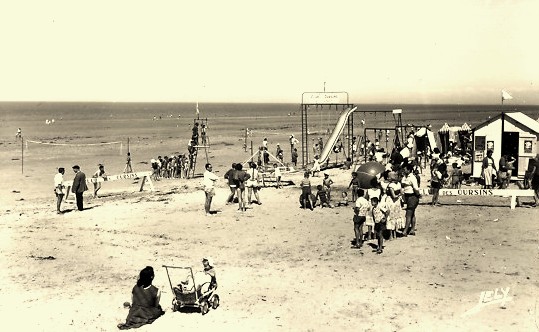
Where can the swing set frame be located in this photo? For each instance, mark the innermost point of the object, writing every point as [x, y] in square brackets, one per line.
[320, 99]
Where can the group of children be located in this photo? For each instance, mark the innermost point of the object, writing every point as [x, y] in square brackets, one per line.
[170, 167]
[322, 198]
[379, 212]
[441, 177]
[380, 209]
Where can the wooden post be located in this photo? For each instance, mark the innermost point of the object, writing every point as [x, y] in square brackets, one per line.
[245, 141]
[22, 155]
[513, 202]
[68, 190]
[142, 183]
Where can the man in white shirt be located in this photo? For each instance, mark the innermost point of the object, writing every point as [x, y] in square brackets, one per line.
[293, 142]
[59, 188]
[209, 187]
[100, 173]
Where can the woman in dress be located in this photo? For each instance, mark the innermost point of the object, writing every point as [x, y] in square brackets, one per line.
[395, 219]
[488, 170]
[411, 192]
[145, 308]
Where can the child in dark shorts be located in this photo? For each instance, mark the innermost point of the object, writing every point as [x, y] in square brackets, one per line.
[361, 208]
[354, 183]
[456, 177]
[322, 197]
[305, 198]
[379, 215]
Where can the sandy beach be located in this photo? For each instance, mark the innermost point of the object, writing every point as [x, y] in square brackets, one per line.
[280, 268]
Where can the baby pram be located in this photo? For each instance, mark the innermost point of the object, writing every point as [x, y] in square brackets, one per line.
[192, 293]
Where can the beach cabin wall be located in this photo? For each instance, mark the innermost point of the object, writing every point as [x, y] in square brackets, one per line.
[488, 135]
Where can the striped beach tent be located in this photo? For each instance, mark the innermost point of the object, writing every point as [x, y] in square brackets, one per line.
[445, 128]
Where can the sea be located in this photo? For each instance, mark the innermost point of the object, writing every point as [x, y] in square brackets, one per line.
[42, 119]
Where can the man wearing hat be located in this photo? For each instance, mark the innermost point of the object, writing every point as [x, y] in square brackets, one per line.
[79, 186]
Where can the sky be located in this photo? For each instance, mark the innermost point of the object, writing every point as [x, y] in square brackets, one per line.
[414, 51]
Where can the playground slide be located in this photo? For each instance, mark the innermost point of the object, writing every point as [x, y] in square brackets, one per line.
[330, 144]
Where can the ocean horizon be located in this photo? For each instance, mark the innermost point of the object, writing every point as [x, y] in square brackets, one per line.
[96, 116]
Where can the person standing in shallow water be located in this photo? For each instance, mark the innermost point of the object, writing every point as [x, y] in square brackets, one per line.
[144, 308]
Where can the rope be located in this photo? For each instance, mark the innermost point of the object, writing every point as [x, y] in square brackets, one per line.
[68, 144]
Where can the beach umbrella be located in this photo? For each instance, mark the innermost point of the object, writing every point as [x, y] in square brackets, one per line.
[465, 127]
[368, 174]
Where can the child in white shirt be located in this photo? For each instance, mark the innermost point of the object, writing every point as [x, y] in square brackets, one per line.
[361, 208]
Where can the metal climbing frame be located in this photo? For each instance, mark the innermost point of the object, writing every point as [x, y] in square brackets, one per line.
[329, 100]
[203, 142]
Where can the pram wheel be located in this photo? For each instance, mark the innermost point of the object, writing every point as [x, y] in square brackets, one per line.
[215, 302]
[204, 307]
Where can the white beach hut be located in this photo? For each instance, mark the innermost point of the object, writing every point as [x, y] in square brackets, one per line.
[514, 134]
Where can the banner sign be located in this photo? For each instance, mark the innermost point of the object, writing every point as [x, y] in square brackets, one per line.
[513, 193]
[124, 176]
[324, 98]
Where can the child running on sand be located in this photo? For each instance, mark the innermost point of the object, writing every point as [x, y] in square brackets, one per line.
[379, 216]
[361, 208]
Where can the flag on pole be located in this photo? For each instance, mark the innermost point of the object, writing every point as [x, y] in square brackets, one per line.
[506, 95]
[198, 112]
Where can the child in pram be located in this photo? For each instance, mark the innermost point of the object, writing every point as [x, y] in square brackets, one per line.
[206, 280]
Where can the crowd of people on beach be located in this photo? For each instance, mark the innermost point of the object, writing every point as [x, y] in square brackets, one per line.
[168, 167]
[387, 207]
[239, 181]
[385, 211]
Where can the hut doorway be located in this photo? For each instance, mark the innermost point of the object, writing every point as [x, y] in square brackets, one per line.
[510, 141]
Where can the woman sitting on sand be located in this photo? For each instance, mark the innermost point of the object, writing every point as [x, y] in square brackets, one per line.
[145, 308]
